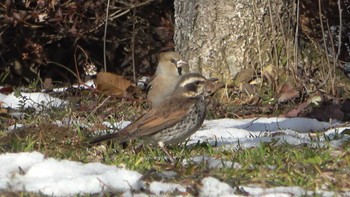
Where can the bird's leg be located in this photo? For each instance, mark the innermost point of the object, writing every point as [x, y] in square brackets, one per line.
[162, 146]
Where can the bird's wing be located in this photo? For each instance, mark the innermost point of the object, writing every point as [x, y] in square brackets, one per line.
[164, 116]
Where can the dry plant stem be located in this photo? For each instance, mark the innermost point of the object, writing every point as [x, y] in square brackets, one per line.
[162, 146]
[104, 38]
[63, 66]
[69, 70]
[76, 63]
[133, 43]
[105, 185]
[274, 34]
[296, 38]
[284, 38]
[257, 26]
[77, 75]
[325, 48]
[117, 15]
[322, 28]
[101, 104]
[340, 29]
[330, 68]
[111, 17]
[131, 6]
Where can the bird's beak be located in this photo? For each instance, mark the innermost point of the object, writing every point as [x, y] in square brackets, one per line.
[213, 79]
[181, 63]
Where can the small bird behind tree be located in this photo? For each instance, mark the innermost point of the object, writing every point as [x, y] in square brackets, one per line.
[167, 75]
[173, 120]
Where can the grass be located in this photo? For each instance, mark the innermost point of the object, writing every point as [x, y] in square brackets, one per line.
[268, 165]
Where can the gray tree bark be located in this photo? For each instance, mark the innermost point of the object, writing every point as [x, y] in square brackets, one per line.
[220, 37]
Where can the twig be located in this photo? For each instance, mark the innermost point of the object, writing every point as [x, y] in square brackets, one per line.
[274, 34]
[114, 16]
[104, 39]
[284, 38]
[340, 30]
[76, 63]
[296, 35]
[331, 70]
[329, 73]
[131, 6]
[63, 66]
[133, 43]
[69, 70]
[322, 28]
[100, 105]
[258, 34]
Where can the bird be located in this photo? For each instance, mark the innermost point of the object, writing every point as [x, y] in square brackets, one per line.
[167, 75]
[176, 118]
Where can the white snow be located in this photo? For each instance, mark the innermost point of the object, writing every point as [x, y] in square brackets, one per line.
[36, 100]
[86, 85]
[32, 172]
[247, 133]
[213, 187]
[159, 188]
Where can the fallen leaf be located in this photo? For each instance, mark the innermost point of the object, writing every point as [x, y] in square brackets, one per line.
[305, 107]
[287, 92]
[6, 90]
[244, 76]
[257, 81]
[48, 83]
[2, 110]
[296, 111]
[247, 88]
[112, 84]
[270, 73]
[213, 85]
[315, 100]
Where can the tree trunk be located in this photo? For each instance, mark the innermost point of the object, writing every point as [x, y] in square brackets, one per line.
[219, 38]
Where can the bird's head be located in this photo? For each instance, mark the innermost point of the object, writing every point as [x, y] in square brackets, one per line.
[191, 85]
[170, 63]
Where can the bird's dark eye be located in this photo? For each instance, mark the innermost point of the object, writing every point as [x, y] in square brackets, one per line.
[192, 87]
[173, 61]
[197, 82]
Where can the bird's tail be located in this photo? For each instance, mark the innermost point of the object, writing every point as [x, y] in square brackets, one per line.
[115, 136]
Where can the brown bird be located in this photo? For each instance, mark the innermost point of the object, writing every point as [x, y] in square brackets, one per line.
[171, 122]
[166, 77]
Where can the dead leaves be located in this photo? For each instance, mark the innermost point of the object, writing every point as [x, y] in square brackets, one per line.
[112, 84]
[213, 85]
[249, 81]
[287, 92]
[271, 74]
[2, 109]
[243, 81]
[245, 76]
